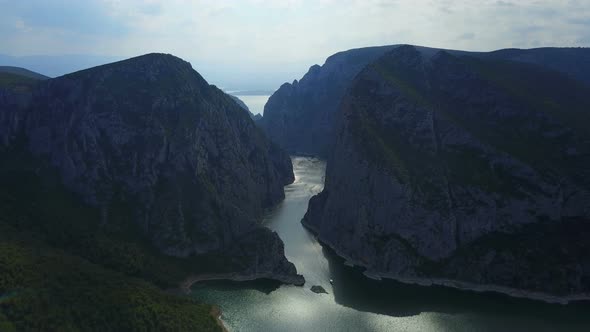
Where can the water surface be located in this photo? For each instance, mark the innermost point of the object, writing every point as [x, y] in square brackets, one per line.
[355, 303]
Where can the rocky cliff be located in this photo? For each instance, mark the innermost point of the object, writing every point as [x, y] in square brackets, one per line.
[300, 116]
[149, 140]
[458, 168]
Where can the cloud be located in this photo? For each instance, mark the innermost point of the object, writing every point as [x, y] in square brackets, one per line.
[85, 17]
[466, 36]
[505, 4]
[279, 40]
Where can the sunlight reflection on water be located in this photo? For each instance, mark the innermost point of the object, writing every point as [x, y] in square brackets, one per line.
[355, 303]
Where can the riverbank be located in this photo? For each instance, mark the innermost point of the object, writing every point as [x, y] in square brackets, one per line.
[456, 284]
[185, 286]
[357, 303]
[216, 313]
[479, 288]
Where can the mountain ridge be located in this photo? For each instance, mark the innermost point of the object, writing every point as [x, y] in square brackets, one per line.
[23, 72]
[300, 116]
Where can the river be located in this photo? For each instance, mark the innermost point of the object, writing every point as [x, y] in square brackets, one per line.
[355, 303]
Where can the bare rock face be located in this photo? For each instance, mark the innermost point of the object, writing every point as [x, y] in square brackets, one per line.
[462, 168]
[150, 138]
[301, 117]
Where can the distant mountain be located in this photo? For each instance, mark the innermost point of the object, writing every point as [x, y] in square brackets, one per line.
[141, 169]
[56, 65]
[22, 72]
[300, 116]
[18, 79]
[462, 170]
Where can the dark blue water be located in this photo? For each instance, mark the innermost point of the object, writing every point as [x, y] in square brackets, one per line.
[355, 303]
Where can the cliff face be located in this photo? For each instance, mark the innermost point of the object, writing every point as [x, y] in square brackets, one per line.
[301, 117]
[149, 138]
[452, 166]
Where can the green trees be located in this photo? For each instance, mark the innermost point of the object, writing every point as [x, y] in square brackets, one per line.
[60, 271]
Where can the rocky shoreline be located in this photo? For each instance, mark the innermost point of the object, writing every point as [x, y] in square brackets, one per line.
[296, 280]
[216, 313]
[456, 284]
[467, 286]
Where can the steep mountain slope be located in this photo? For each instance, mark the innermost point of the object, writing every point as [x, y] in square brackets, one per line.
[455, 167]
[300, 117]
[135, 169]
[153, 129]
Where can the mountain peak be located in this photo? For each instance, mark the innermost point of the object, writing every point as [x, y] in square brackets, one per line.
[156, 72]
[151, 65]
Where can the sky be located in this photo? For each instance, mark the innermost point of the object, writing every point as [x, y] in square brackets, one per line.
[259, 44]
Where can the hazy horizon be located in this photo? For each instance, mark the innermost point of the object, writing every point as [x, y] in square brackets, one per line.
[260, 44]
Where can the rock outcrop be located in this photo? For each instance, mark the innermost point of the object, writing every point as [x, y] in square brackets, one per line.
[301, 116]
[150, 139]
[318, 289]
[459, 168]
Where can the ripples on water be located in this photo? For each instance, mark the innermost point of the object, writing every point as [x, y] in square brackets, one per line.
[355, 303]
